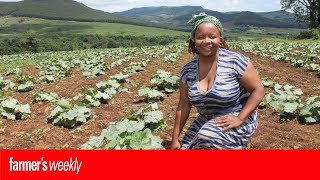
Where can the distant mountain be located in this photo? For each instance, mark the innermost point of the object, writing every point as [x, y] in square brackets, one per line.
[282, 16]
[169, 16]
[63, 10]
[163, 16]
[54, 9]
[178, 16]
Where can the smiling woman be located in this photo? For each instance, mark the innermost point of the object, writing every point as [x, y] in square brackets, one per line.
[224, 87]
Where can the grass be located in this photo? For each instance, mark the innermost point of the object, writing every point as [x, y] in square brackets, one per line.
[18, 63]
[17, 60]
[264, 32]
[13, 26]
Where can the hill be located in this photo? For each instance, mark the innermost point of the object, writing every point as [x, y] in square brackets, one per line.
[178, 16]
[163, 16]
[63, 10]
[282, 16]
[23, 34]
[16, 26]
[169, 16]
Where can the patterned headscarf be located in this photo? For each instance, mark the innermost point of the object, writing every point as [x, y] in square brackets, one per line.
[203, 17]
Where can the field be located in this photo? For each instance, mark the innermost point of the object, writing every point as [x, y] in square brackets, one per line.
[15, 26]
[33, 35]
[263, 32]
[118, 105]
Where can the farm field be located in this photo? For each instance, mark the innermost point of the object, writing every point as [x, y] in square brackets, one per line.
[18, 26]
[140, 64]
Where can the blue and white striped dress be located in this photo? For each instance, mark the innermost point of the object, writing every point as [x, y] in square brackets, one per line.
[226, 96]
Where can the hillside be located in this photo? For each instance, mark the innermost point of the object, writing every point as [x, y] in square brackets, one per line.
[169, 16]
[178, 16]
[250, 18]
[16, 26]
[163, 16]
[23, 34]
[62, 10]
[282, 16]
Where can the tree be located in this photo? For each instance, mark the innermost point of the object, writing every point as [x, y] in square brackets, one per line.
[305, 10]
[31, 43]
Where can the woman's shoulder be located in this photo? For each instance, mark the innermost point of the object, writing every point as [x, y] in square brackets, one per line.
[232, 55]
[238, 62]
[228, 52]
[189, 70]
[192, 64]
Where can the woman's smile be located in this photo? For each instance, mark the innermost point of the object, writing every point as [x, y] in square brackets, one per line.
[207, 48]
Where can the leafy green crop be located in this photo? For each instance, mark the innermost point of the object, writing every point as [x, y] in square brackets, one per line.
[120, 78]
[47, 79]
[12, 109]
[93, 97]
[285, 100]
[163, 80]
[311, 111]
[6, 84]
[136, 66]
[11, 71]
[28, 86]
[152, 95]
[45, 96]
[266, 82]
[133, 132]
[69, 117]
[93, 67]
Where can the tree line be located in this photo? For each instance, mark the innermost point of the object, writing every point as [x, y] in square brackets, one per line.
[32, 43]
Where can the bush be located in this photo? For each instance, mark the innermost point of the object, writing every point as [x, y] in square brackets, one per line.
[311, 34]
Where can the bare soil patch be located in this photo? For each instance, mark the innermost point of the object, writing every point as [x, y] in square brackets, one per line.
[36, 133]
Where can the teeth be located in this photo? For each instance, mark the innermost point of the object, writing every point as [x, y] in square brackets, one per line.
[207, 47]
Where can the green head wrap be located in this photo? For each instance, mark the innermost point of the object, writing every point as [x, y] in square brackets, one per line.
[203, 17]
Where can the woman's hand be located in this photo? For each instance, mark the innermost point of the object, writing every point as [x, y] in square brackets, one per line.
[228, 122]
[175, 145]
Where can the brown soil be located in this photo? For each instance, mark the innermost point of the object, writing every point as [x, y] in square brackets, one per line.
[36, 133]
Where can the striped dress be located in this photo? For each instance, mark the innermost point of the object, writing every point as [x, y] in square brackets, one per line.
[226, 96]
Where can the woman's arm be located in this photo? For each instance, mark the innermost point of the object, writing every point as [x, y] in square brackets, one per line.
[252, 83]
[182, 114]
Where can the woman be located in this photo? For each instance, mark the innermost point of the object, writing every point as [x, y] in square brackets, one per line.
[224, 87]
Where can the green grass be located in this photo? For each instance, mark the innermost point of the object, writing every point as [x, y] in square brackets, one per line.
[263, 32]
[15, 26]
[18, 60]
[19, 63]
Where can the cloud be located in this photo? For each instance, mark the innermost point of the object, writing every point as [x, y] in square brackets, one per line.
[216, 5]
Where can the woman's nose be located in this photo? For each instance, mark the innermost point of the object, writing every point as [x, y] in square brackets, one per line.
[207, 40]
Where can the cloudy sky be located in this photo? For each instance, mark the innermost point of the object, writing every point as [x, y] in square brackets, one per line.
[216, 5]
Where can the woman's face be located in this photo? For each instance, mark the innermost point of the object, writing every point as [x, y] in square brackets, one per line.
[207, 39]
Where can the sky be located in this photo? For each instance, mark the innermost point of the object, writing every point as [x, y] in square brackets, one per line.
[215, 5]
